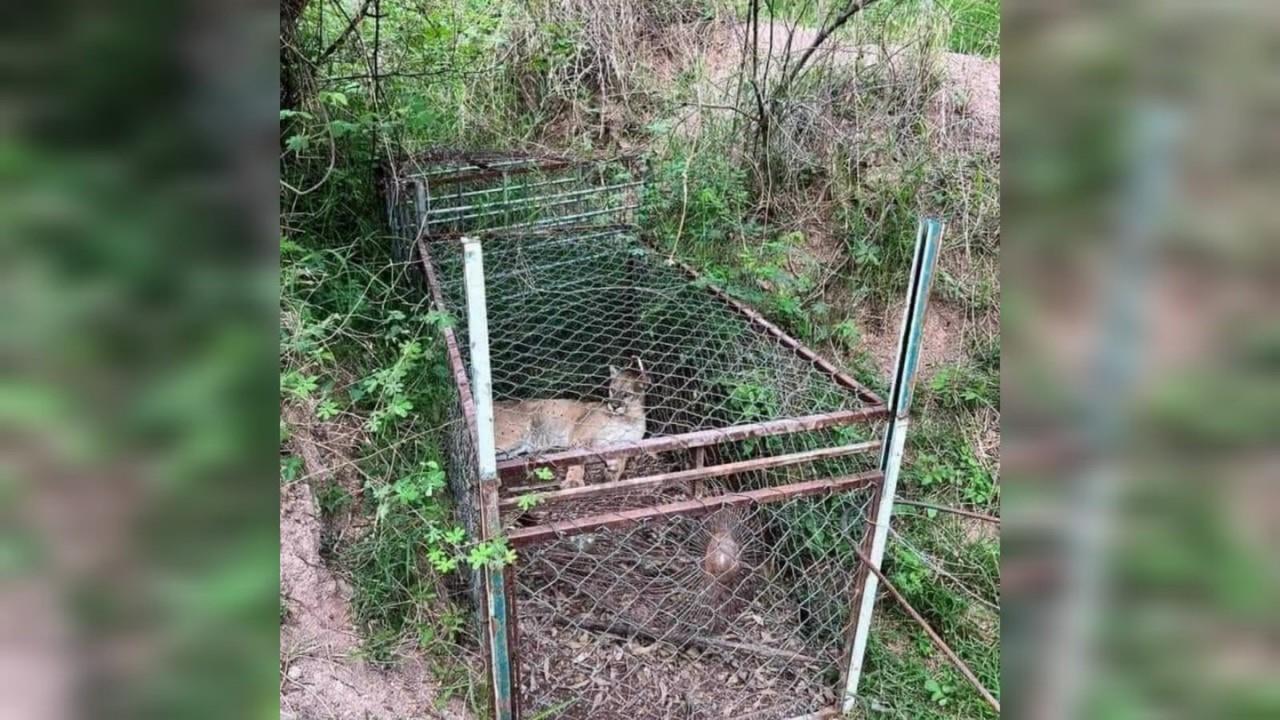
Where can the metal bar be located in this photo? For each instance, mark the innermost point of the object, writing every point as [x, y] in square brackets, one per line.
[420, 204]
[799, 348]
[928, 242]
[513, 635]
[490, 191]
[532, 199]
[472, 173]
[933, 635]
[954, 511]
[699, 473]
[687, 441]
[521, 537]
[549, 222]
[491, 523]
[584, 233]
[456, 366]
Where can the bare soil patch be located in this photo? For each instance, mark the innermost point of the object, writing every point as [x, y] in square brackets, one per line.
[943, 337]
[965, 111]
[322, 676]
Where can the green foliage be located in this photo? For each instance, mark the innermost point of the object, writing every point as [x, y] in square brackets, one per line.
[955, 468]
[964, 387]
[529, 501]
[975, 26]
[332, 498]
[696, 198]
[359, 344]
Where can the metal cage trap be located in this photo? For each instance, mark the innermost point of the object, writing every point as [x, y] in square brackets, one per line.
[688, 487]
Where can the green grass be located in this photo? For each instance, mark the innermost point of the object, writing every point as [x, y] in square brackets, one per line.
[360, 344]
[975, 26]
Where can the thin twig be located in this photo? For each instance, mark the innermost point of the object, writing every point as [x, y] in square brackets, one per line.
[854, 8]
[346, 32]
[953, 511]
[933, 635]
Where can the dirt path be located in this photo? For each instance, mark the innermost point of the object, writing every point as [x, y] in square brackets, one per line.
[323, 676]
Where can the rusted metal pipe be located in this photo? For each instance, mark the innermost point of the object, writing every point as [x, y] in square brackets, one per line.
[683, 476]
[521, 466]
[524, 536]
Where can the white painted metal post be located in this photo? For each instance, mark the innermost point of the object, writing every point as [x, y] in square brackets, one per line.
[928, 241]
[491, 525]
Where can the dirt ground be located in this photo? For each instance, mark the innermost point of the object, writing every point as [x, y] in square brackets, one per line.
[943, 337]
[322, 673]
[323, 676]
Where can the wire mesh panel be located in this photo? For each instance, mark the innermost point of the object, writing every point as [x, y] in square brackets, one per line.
[596, 316]
[685, 483]
[737, 611]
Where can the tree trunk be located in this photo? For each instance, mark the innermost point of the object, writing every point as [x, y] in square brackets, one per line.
[291, 67]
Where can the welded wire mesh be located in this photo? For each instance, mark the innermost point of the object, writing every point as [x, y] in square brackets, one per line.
[691, 578]
[736, 612]
[564, 308]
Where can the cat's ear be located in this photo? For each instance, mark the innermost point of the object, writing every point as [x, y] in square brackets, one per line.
[614, 372]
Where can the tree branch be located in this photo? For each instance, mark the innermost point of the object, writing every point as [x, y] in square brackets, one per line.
[342, 37]
[854, 8]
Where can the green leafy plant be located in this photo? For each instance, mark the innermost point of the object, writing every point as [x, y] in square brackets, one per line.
[939, 692]
[529, 501]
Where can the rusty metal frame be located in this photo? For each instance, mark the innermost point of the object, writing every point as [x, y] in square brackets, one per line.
[696, 441]
[521, 537]
[680, 477]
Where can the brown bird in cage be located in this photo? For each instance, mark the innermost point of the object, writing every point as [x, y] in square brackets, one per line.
[723, 563]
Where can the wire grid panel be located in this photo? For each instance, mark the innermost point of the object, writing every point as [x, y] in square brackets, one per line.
[595, 339]
[738, 612]
[464, 482]
[597, 318]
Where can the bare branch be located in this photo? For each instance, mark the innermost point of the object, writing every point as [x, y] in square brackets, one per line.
[933, 635]
[361, 14]
[853, 9]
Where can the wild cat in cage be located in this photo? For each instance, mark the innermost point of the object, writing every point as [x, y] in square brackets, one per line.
[524, 427]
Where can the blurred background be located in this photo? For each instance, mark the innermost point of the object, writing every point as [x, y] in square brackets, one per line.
[1141, 402]
[138, 541]
[138, 400]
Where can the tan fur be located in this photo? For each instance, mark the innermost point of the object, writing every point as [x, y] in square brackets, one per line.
[722, 563]
[535, 426]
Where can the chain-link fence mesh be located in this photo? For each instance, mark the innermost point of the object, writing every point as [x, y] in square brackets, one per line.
[684, 482]
[737, 611]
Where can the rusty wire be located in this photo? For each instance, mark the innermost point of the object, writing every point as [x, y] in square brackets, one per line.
[707, 575]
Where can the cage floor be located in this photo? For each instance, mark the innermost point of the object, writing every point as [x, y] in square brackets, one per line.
[568, 673]
[627, 624]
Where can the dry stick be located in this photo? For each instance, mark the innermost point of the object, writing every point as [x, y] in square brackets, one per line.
[853, 9]
[684, 185]
[360, 15]
[627, 630]
[953, 511]
[933, 635]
